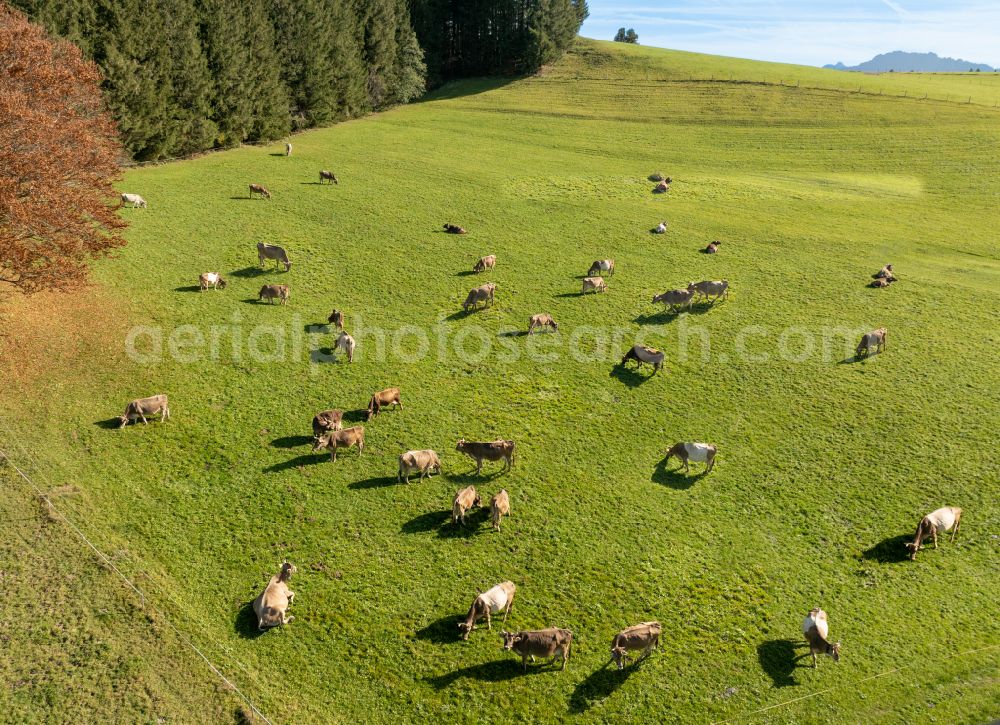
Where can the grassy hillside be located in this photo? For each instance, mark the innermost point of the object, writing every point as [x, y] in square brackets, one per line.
[825, 464]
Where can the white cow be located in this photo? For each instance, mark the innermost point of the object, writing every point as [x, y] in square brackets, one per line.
[135, 200]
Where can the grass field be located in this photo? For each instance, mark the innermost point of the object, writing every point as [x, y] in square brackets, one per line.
[825, 464]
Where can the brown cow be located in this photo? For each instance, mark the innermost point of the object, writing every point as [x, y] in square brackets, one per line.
[886, 273]
[600, 266]
[258, 189]
[644, 355]
[383, 399]
[424, 461]
[645, 637]
[499, 506]
[712, 247]
[489, 451]
[874, 339]
[542, 320]
[594, 283]
[662, 188]
[328, 176]
[483, 293]
[498, 599]
[816, 629]
[484, 263]
[336, 318]
[326, 421]
[675, 299]
[271, 606]
[711, 289]
[274, 292]
[464, 500]
[335, 439]
[454, 229]
[539, 643]
[141, 407]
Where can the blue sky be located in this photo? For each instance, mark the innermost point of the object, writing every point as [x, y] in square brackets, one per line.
[807, 31]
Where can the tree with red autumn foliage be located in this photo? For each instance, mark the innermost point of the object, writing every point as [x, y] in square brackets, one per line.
[59, 154]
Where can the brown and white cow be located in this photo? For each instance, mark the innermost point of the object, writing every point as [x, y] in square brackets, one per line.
[550, 642]
[499, 507]
[594, 283]
[601, 266]
[711, 289]
[942, 520]
[210, 279]
[425, 461]
[882, 282]
[675, 299]
[712, 247]
[454, 229]
[489, 451]
[662, 188]
[645, 637]
[464, 500]
[498, 599]
[383, 399]
[271, 606]
[484, 263]
[816, 630]
[258, 189]
[336, 318]
[271, 292]
[644, 355]
[273, 252]
[483, 293]
[693, 452]
[334, 439]
[326, 421]
[871, 340]
[886, 273]
[542, 320]
[328, 176]
[141, 407]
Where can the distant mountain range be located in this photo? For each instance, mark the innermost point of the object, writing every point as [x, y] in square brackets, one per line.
[901, 61]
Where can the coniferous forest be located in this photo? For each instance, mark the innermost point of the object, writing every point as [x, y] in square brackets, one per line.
[182, 76]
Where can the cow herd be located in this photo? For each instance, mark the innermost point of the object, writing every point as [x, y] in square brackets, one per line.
[271, 606]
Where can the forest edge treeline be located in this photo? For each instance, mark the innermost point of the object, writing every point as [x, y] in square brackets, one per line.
[183, 76]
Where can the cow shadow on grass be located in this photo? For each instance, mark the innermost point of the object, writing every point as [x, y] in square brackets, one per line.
[492, 671]
[778, 659]
[109, 424]
[248, 272]
[461, 314]
[466, 273]
[375, 482]
[188, 288]
[442, 631]
[599, 685]
[308, 459]
[665, 316]
[889, 551]
[245, 623]
[440, 521]
[514, 333]
[630, 376]
[569, 294]
[429, 521]
[674, 478]
[291, 441]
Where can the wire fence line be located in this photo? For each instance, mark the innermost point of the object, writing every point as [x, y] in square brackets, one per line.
[130, 584]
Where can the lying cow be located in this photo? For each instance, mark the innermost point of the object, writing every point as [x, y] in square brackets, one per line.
[336, 318]
[272, 251]
[424, 461]
[662, 188]
[326, 421]
[550, 642]
[328, 176]
[660, 228]
[712, 247]
[874, 340]
[346, 344]
[464, 500]
[260, 190]
[484, 263]
[499, 507]
[594, 283]
[886, 273]
[488, 451]
[601, 266]
[210, 279]
[334, 439]
[272, 292]
[882, 282]
[675, 299]
[140, 408]
[498, 599]
[711, 289]
[454, 229]
[696, 452]
[271, 606]
[542, 320]
[645, 637]
[482, 294]
[135, 200]
[642, 354]
[383, 399]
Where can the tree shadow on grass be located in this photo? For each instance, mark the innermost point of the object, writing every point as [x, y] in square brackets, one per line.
[188, 288]
[308, 459]
[376, 482]
[676, 478]
[630, 376]
[109, 424]
[246, 622]
[600, 685]
[778, 659]
[291, 441]
[248, 272]
[889, 551]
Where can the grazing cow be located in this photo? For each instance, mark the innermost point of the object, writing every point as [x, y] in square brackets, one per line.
[940, 521]
[550, 642]
[712, 247]
[454, 229]
[141, 407]
[675, 299]
[874, 339]
[326, 421]
[345, 343]
[336, 318]
[482, 294]
[272, 251]
[484, 263]
[662, 188]
[642, 354]
[273, 292]
[464, 500]
[383, 399]
[135, 200]
[424, 461]
[711, 289]
[498, 599]
[499, 506]
[645, 637]
[346, 438]
[816, 629]
[328, 176]
[288, 149]
[660, 228]
[490, 451]
[271, 606]
[210, 279]
[696, 452]
[542, 320]
[886, 273]
[258, 189]
[601, 266]
[594, 283]
[882, 282]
